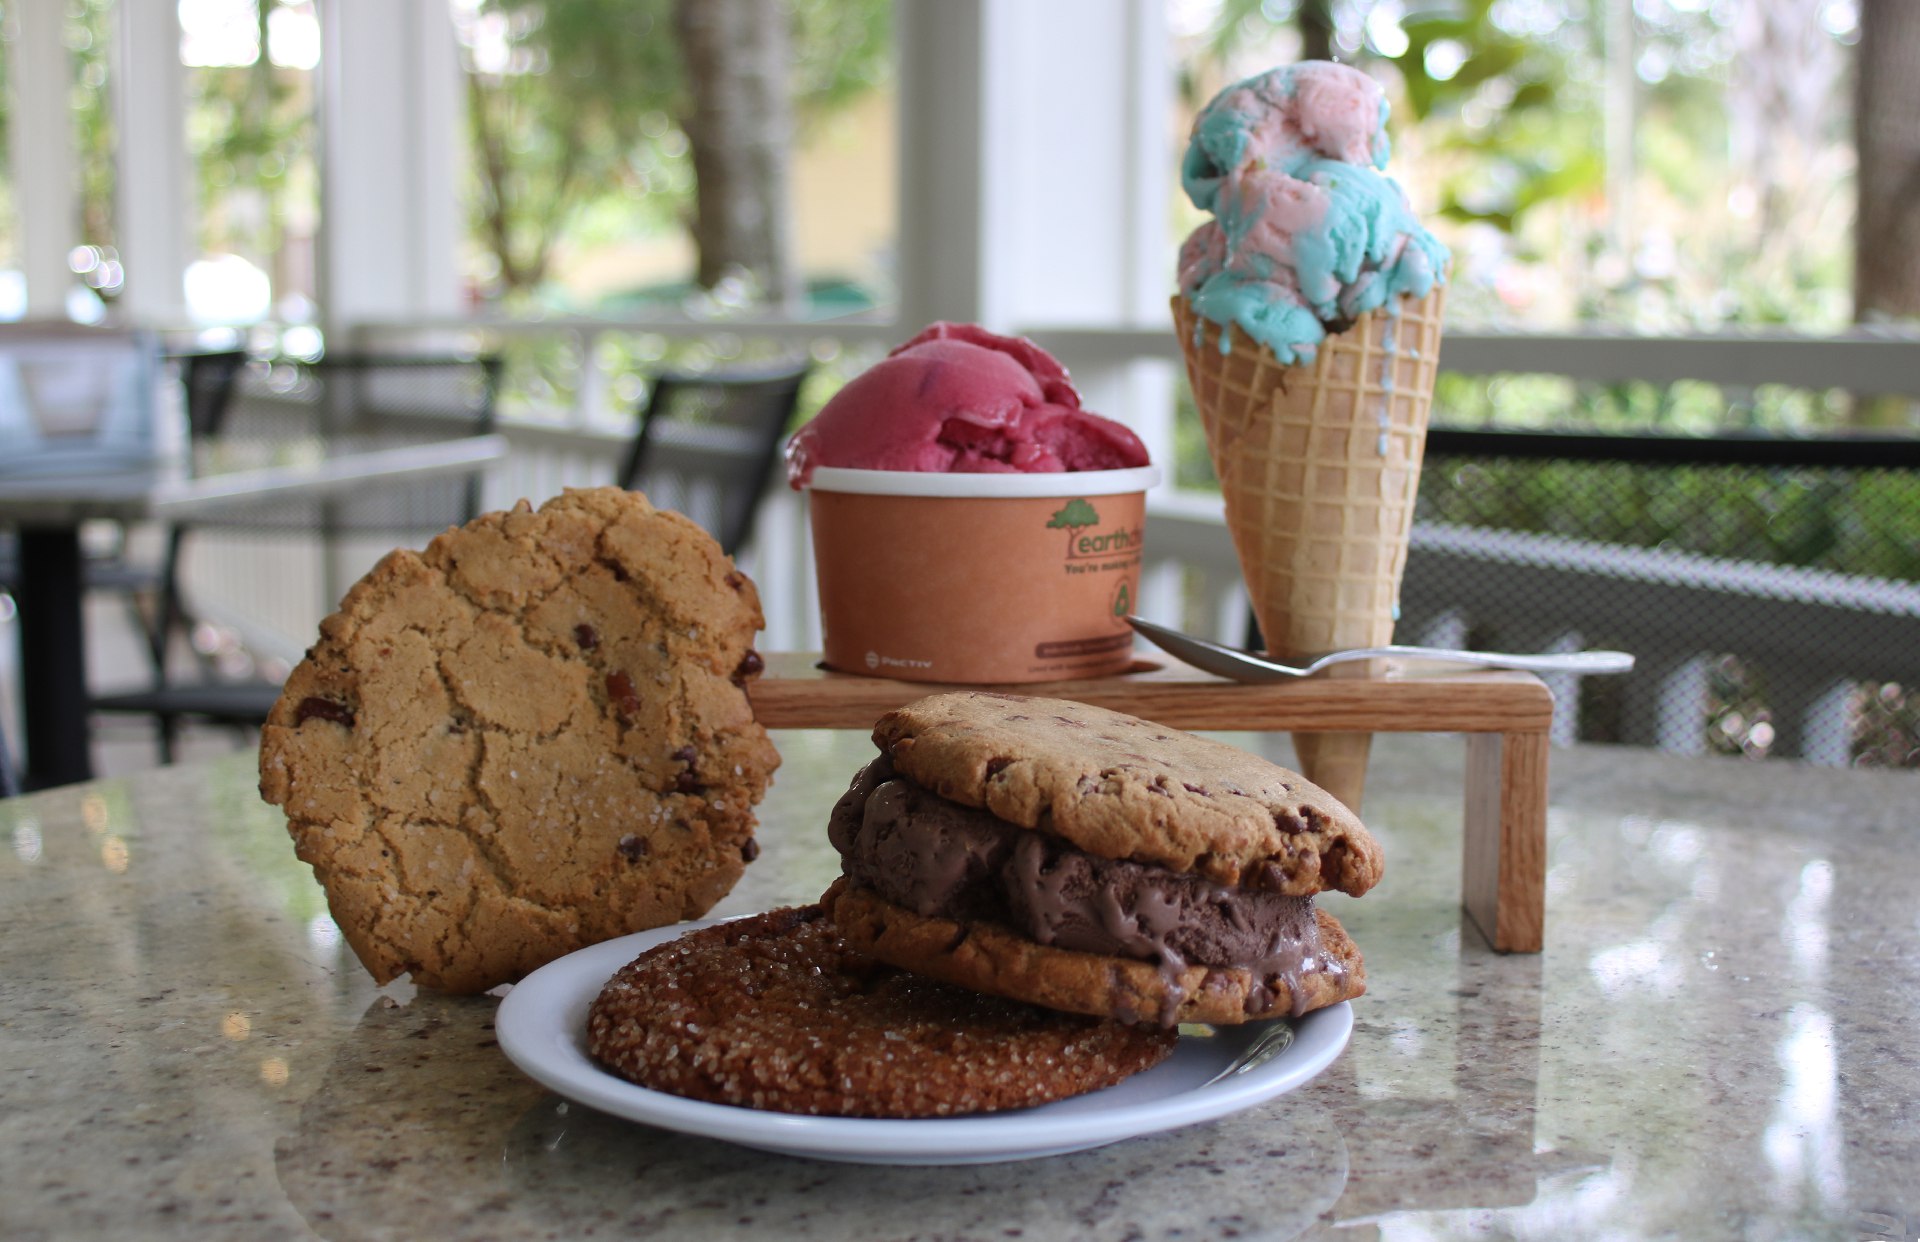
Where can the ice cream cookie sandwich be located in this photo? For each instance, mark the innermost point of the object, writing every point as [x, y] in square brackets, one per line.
[1098, 863]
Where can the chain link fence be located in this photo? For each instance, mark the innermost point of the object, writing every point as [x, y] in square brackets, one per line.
[1770, 586]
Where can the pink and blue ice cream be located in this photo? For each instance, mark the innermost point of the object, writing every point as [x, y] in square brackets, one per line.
[1308, 233]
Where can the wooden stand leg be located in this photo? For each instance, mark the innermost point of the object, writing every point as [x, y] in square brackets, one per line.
[1504, 884]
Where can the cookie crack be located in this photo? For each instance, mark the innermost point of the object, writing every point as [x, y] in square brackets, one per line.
[498, 868]
[675, 640]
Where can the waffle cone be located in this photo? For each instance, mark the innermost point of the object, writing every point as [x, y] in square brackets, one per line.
[1319, 464]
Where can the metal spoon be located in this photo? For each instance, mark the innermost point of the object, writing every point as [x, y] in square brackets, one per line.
[1248, 667]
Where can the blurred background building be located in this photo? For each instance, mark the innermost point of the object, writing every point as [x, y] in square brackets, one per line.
[1660, 164]
[599, 189]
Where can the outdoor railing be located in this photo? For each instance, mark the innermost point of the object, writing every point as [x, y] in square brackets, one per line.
[1809, 640]
[1867, 359]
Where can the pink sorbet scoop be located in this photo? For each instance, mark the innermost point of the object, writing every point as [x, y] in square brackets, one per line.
[960, 399]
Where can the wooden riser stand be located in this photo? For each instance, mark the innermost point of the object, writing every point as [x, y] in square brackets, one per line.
[1504, 715]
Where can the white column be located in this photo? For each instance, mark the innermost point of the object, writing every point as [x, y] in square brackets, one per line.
[155, 202]
[1035, 175]
[45, 161]
[1034, 163]
[1078, 180]
[392, 136]
[942, 239]
[1078, 172]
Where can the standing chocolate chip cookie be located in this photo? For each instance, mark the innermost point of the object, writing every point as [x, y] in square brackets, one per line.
[530, 738]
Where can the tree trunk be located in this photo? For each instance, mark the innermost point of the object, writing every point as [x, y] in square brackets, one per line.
[1886, 124]
[739, 125]
[1315, 20]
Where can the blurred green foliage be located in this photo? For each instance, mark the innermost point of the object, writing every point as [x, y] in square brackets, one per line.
[574, 113]
[574, 104]
[1449, 59]
[1556, 403]
[1540, 150]
[541, 373]
[1844, 521]
[1733, 203]
[250, 134]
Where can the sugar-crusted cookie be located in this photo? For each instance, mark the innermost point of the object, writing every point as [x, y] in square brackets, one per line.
[776, 1012]
[1097, 863]
[532, 737]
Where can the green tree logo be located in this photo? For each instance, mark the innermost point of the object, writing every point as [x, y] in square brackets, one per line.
[1076, 515]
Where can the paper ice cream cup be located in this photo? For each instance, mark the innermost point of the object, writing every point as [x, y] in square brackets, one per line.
[978, 578]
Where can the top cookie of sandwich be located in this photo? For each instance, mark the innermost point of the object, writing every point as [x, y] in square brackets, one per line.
[1117, 786]
[533, 737]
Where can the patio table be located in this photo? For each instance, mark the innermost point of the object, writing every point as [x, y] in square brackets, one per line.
[1716, 1042]
[48, 510]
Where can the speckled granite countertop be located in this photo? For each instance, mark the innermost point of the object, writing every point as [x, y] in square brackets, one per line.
[1719, 1042]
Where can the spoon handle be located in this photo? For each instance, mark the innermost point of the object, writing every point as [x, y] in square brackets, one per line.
[1554, 662]
[1245, 666]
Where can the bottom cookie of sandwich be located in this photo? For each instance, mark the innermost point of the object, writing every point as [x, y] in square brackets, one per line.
[778, 1012]
[993, 958]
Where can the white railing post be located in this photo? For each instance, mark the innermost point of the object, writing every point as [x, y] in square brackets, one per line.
[1232, 609]
[1812, 715]
[592, 405]
[1565, 730]
[774, 558]
[44, 152]
[1163, 588]
[1443, 629]
[1666, 702]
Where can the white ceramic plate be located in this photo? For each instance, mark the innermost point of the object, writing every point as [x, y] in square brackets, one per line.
[542, 1025]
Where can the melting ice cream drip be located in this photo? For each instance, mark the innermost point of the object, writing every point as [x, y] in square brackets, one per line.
[1389, 367]
[1390, 340]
